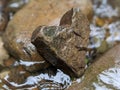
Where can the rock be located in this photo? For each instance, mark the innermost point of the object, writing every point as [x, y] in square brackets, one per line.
[109, 60]
[20, 28]
[57, 44]
[15, 5]
[3, 74]
[18, 75]
[35, 67]
[3, 53]
[86, 7]
[29, 66]
[1, 68]
[9, 62]
[3, 21]
[3, 15]
[48, 84]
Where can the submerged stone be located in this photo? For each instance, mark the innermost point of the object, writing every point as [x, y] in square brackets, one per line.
[57, 44]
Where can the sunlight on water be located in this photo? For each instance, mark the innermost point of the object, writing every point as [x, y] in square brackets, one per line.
[105, 10]
[108, 80]
[26, 63]
[97, 35]
[111, 77]
[114, 32]
[100, 87]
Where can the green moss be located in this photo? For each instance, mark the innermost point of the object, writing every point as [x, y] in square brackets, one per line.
[49, 31]
[86, 60]
[103, 47]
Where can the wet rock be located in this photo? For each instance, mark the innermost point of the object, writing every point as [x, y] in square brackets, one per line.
[3, 53]
[20, 28]
[3, 74]
[1, 68]
[15, 5]
[3, 21]
[18, 75]
[57, 44]
[48, 84]
[109, 60]
[31, 66]
[35, 67]
[9, 62]
[86, 7]
[3, 15]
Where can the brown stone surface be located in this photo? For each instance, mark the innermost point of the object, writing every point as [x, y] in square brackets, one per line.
[37, 12]
[18, 75]
[3, 15]
[110, 59]
[9, 62]
[3, 53]
[57, 44]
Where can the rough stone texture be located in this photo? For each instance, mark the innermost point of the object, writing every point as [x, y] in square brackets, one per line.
[18, 75]
[110, 59]
[3, 21]
[37, 12]
[3, 15]
[3, 53]
[9, 62]
[57, 44]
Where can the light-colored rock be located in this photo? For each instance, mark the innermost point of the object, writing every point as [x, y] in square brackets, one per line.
[3, 53]
[3, 74]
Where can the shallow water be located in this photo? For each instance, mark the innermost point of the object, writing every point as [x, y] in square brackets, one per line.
[60, 80]
[108, 79]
